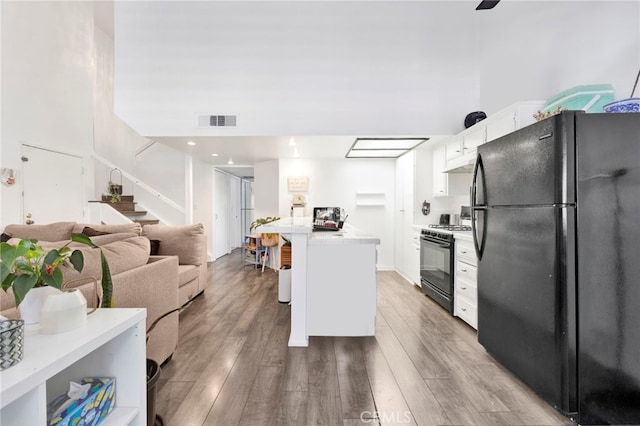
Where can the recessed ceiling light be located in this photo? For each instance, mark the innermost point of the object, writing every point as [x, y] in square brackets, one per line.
[382, 147]
[192, 143]
[214, 155]
[230, 161]
[292, 142]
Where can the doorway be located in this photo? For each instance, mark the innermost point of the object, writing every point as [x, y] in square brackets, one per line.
[51, 194]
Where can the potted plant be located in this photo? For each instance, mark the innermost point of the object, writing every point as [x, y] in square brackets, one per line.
[114, 189]
[269, 239]
[26, 267]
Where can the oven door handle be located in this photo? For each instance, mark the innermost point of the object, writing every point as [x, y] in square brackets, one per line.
[446, 246]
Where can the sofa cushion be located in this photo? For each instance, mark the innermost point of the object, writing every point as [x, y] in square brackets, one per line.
[51, 232]
[187, 273]
[121, 255]
[178, 240]
[99, 240]
[133, 227]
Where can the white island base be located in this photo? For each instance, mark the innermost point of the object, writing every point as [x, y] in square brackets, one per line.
[333, 281]
[341, 289]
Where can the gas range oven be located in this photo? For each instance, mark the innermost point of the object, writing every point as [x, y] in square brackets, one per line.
[436, 262]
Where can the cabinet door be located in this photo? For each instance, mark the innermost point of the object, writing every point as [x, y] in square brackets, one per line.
[439, 178]
[405, 169]
[500, 126]
[413, 255]
[471, 140]
[454, 148]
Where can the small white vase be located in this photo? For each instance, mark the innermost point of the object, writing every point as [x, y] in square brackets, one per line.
[32, 303]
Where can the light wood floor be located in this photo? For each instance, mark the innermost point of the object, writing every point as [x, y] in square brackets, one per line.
[423, 367]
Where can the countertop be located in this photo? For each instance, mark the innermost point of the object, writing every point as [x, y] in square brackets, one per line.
[303, 225]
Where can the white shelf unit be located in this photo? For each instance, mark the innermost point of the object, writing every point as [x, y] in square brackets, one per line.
[112, 344]
[370, 198]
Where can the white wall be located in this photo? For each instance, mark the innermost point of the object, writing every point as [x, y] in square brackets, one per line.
[293, 67]
[335, 183]
[203, 193]
[47, 86]
[556, 45]
[364, 67]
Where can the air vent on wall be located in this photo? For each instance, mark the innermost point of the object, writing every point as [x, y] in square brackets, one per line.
[216, 121]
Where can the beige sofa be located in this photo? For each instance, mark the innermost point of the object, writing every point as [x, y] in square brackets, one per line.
[139, 279]
[189, 244]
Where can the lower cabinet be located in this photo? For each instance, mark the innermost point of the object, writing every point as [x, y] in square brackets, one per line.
[414, 256]
[465, 299]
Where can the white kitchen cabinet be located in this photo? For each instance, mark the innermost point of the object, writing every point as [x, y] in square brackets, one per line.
[439, 177]
[512, 118]
[447, 184]
[112, 344]
[465, 299]
[454, 148]
[462, 148]
[413, 271]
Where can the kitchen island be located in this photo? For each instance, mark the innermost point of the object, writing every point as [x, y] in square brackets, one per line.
[333, 280]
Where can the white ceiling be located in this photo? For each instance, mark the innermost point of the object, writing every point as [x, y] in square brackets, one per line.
[394, 68]
[245, 151]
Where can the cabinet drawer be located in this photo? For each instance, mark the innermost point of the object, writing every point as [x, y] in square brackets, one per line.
[466, 310]
[466, 272]
[466, 252]
[466, 289]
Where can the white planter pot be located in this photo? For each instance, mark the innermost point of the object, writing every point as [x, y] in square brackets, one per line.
[32, 303]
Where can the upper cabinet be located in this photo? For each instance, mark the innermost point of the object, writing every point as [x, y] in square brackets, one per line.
[439, 177]
[446, 184]
[461, 148]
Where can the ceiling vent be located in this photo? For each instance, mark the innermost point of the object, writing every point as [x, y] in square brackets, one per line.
[216, 121]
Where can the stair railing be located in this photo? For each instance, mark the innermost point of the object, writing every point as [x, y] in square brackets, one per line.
[140, 184]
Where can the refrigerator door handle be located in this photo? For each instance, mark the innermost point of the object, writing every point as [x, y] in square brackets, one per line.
[477, 241]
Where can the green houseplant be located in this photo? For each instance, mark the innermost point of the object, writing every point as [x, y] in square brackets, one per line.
[27, 265]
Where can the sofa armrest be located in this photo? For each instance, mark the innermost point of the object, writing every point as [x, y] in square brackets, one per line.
[153, 286]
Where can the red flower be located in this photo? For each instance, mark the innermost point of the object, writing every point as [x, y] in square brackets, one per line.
[49, 269]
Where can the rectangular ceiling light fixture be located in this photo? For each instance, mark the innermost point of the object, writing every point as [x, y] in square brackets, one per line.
[383, 147]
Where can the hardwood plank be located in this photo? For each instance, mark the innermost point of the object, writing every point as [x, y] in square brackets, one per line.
[353, 381]
[296, 373]
[228, 407]
[292, 409]
[390, 403]
[261, 405]
[322, 356]
[324, 406]
[425, 408]
[275, 353]
[170, 395]
[203, 393]
[429, 365]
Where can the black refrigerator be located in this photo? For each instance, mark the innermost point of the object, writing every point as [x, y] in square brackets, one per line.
[556, 226]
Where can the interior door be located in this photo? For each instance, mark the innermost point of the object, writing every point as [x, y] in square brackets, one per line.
[221, 215]
[234, 212]
[52, 186]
